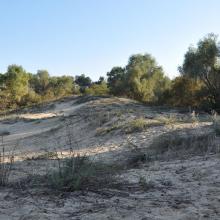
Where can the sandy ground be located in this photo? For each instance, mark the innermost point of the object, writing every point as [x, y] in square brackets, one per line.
[187, 188]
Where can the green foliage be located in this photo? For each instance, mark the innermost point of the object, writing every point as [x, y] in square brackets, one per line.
[203, 63]
[83, 82]
[80, 173]
[62, 86]
[31, 98]
[18, 88]
[16, 83]
[185, 92]
[97, 89]
[142, 79]
[145, 78]
[116, 81]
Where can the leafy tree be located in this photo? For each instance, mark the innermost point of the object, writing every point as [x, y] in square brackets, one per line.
[145, 79]
[31, 98]
[101, 80]
[116, 81]
[83, 80]
[203, 63]
[16, 83]
[185, 92]
[42, 81]
[62, 86]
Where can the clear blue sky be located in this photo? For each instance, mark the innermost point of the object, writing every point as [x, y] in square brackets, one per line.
[91, 36]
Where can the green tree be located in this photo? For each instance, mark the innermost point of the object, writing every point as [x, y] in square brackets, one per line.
[62, 86]
[116, 81]
[202, 62]
[43, 79]
[16, 83]
[186, 92]
[145, 79]
[83, 80]
[101, 80]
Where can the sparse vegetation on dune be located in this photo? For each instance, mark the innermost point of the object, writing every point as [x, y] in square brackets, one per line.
[102, 134]
[81, 173]
[6, 166]
[123, 139]
[140, 124]
[183, 144]
[131, 149]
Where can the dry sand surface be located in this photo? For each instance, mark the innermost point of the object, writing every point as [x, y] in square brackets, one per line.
[177, 184]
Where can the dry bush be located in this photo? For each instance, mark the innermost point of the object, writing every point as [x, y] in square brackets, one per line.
[146, 183]
[168, 120]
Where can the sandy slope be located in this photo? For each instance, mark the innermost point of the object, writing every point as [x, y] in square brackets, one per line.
[183, 189]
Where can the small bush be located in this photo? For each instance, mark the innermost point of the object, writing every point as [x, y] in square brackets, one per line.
[6, 162]
[145, 184]
[80, 173]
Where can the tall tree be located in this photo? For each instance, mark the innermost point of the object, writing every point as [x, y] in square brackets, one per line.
[83, 80]
[145, 79]
[16, 82]
[116, 81]
[203, 62]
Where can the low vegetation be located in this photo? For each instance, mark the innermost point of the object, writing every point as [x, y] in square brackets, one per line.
[146, 184]
[140, 124]
[181, 144]
[81, 173]
[6, 163]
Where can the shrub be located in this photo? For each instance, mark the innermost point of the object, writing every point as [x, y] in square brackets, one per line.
[80, 173]
[6, 162]
[97, 89]
[146, 184]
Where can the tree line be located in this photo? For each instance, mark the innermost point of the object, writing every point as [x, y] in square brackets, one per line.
[142, 79]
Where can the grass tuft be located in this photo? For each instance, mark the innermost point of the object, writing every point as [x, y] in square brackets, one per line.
[80, 173]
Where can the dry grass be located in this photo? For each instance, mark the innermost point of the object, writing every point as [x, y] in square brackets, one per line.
[140, 124]
[81, 173]
[146, 184]
[135, 125]
[6, 163]
[179, 144]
